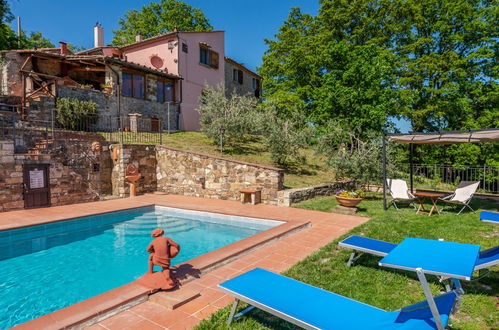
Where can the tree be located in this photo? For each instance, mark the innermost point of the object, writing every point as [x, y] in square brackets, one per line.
[35, 40]
[7, 35]
[226, 119]
[283, 136]
[159, 17]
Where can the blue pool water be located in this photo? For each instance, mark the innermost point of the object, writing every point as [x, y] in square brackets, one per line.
[47, 267]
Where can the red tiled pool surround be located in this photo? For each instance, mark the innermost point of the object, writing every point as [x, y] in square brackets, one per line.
[275, 249]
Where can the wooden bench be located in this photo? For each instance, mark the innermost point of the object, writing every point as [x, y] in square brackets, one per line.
[252, 196]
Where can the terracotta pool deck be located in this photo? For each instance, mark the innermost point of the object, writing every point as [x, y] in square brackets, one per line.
[276, 249]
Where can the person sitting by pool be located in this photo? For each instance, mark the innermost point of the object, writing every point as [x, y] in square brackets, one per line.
[162, 249]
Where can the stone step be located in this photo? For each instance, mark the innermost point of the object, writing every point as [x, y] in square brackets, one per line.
[174, 299]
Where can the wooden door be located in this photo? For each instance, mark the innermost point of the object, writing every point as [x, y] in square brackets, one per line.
[36, 185]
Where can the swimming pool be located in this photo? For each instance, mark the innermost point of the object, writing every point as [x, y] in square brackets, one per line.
[47, 267]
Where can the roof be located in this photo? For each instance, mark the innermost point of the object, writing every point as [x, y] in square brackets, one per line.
[162, 36]
[228, 59]
[470, 136]
[101, 59]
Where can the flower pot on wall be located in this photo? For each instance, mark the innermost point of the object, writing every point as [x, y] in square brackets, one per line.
[348, 202]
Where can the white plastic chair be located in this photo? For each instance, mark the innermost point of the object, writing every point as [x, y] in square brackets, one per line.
[400, 192]
[463, 195]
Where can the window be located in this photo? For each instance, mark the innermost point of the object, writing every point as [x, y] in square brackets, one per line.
[237, 76]
[185, 48]
[208, 57]
[133, 85]
[165, 91]
[256, 83]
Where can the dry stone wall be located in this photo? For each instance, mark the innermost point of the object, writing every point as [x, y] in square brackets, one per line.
[141, 156]
[182, 172]
[290, 196]
[77, 174]
[188, 173]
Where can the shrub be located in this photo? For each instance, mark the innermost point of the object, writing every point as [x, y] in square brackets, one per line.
[284, 137]
[226, 118]
[75, 114]
[353, 158]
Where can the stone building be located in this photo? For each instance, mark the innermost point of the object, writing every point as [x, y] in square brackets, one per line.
[240, 79]
[159, 77]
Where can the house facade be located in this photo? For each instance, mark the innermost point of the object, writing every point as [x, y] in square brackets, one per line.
[240, 79]
[159, 77]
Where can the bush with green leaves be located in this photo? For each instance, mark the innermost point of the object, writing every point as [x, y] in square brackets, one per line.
[76, 114]
[354, 158]
[284, 136]
[226, 119]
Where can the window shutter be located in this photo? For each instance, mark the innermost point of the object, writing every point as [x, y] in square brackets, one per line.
[214, 59]
[240, 77]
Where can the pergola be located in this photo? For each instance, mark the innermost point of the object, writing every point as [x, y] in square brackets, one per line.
[443, 137]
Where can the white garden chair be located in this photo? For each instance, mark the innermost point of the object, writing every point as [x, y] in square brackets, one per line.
[400, 192]
[463, 195]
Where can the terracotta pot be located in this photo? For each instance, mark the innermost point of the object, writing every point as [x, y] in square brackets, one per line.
[348, 202]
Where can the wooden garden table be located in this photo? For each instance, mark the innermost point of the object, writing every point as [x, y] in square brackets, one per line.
[421, 196]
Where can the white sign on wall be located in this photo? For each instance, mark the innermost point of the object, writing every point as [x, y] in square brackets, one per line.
[36, 179]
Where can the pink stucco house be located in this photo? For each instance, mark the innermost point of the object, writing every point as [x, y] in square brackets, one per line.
[194, 56]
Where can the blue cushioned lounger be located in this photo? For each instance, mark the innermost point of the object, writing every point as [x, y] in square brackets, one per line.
[489, 216]
[314, 308]
[367, 245]
[488, 258]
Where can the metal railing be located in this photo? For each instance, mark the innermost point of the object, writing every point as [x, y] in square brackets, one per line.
[447, 177]
[39, 135]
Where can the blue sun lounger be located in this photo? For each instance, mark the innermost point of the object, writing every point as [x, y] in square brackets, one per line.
[486, 258]
[313, 308]
[487, 216]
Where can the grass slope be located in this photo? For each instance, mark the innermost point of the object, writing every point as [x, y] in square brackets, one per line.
[383, 287]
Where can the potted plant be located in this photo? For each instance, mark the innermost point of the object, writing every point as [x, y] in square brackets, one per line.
[350, 198]
[107, 88]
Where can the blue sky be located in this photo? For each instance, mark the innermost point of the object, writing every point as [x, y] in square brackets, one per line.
[246, 23]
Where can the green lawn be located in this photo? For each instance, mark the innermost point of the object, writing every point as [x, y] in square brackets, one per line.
[383, 287]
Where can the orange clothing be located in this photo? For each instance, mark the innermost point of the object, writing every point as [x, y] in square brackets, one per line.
[160, 252]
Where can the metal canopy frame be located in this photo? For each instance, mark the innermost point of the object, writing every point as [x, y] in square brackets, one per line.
[411, 149]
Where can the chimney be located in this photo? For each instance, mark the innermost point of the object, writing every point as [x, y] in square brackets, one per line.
[138, 37]
[63, 48]
[98, 35]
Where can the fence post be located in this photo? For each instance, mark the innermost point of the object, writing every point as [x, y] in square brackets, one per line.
[484, 171]
[121, 129]
[161, 128]
[435, 177]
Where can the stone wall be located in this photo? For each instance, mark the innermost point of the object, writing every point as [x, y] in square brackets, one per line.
[290, 196]
[83, 177]
[142, 157]
[182, 172]
[193, 174]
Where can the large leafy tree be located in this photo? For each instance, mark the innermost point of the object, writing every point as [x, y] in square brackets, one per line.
[433, 62]
[159, 17]
[7, 36]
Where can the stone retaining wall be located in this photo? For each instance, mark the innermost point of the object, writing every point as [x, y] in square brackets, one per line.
[83, 177]
[290, 196]
[193, 174]
[141, 156]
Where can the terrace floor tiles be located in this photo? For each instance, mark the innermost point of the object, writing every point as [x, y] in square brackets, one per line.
[277, 254]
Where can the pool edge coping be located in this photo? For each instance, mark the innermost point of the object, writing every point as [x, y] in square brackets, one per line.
[130, 294]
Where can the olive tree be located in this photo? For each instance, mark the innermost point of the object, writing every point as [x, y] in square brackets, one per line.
[226, 118]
